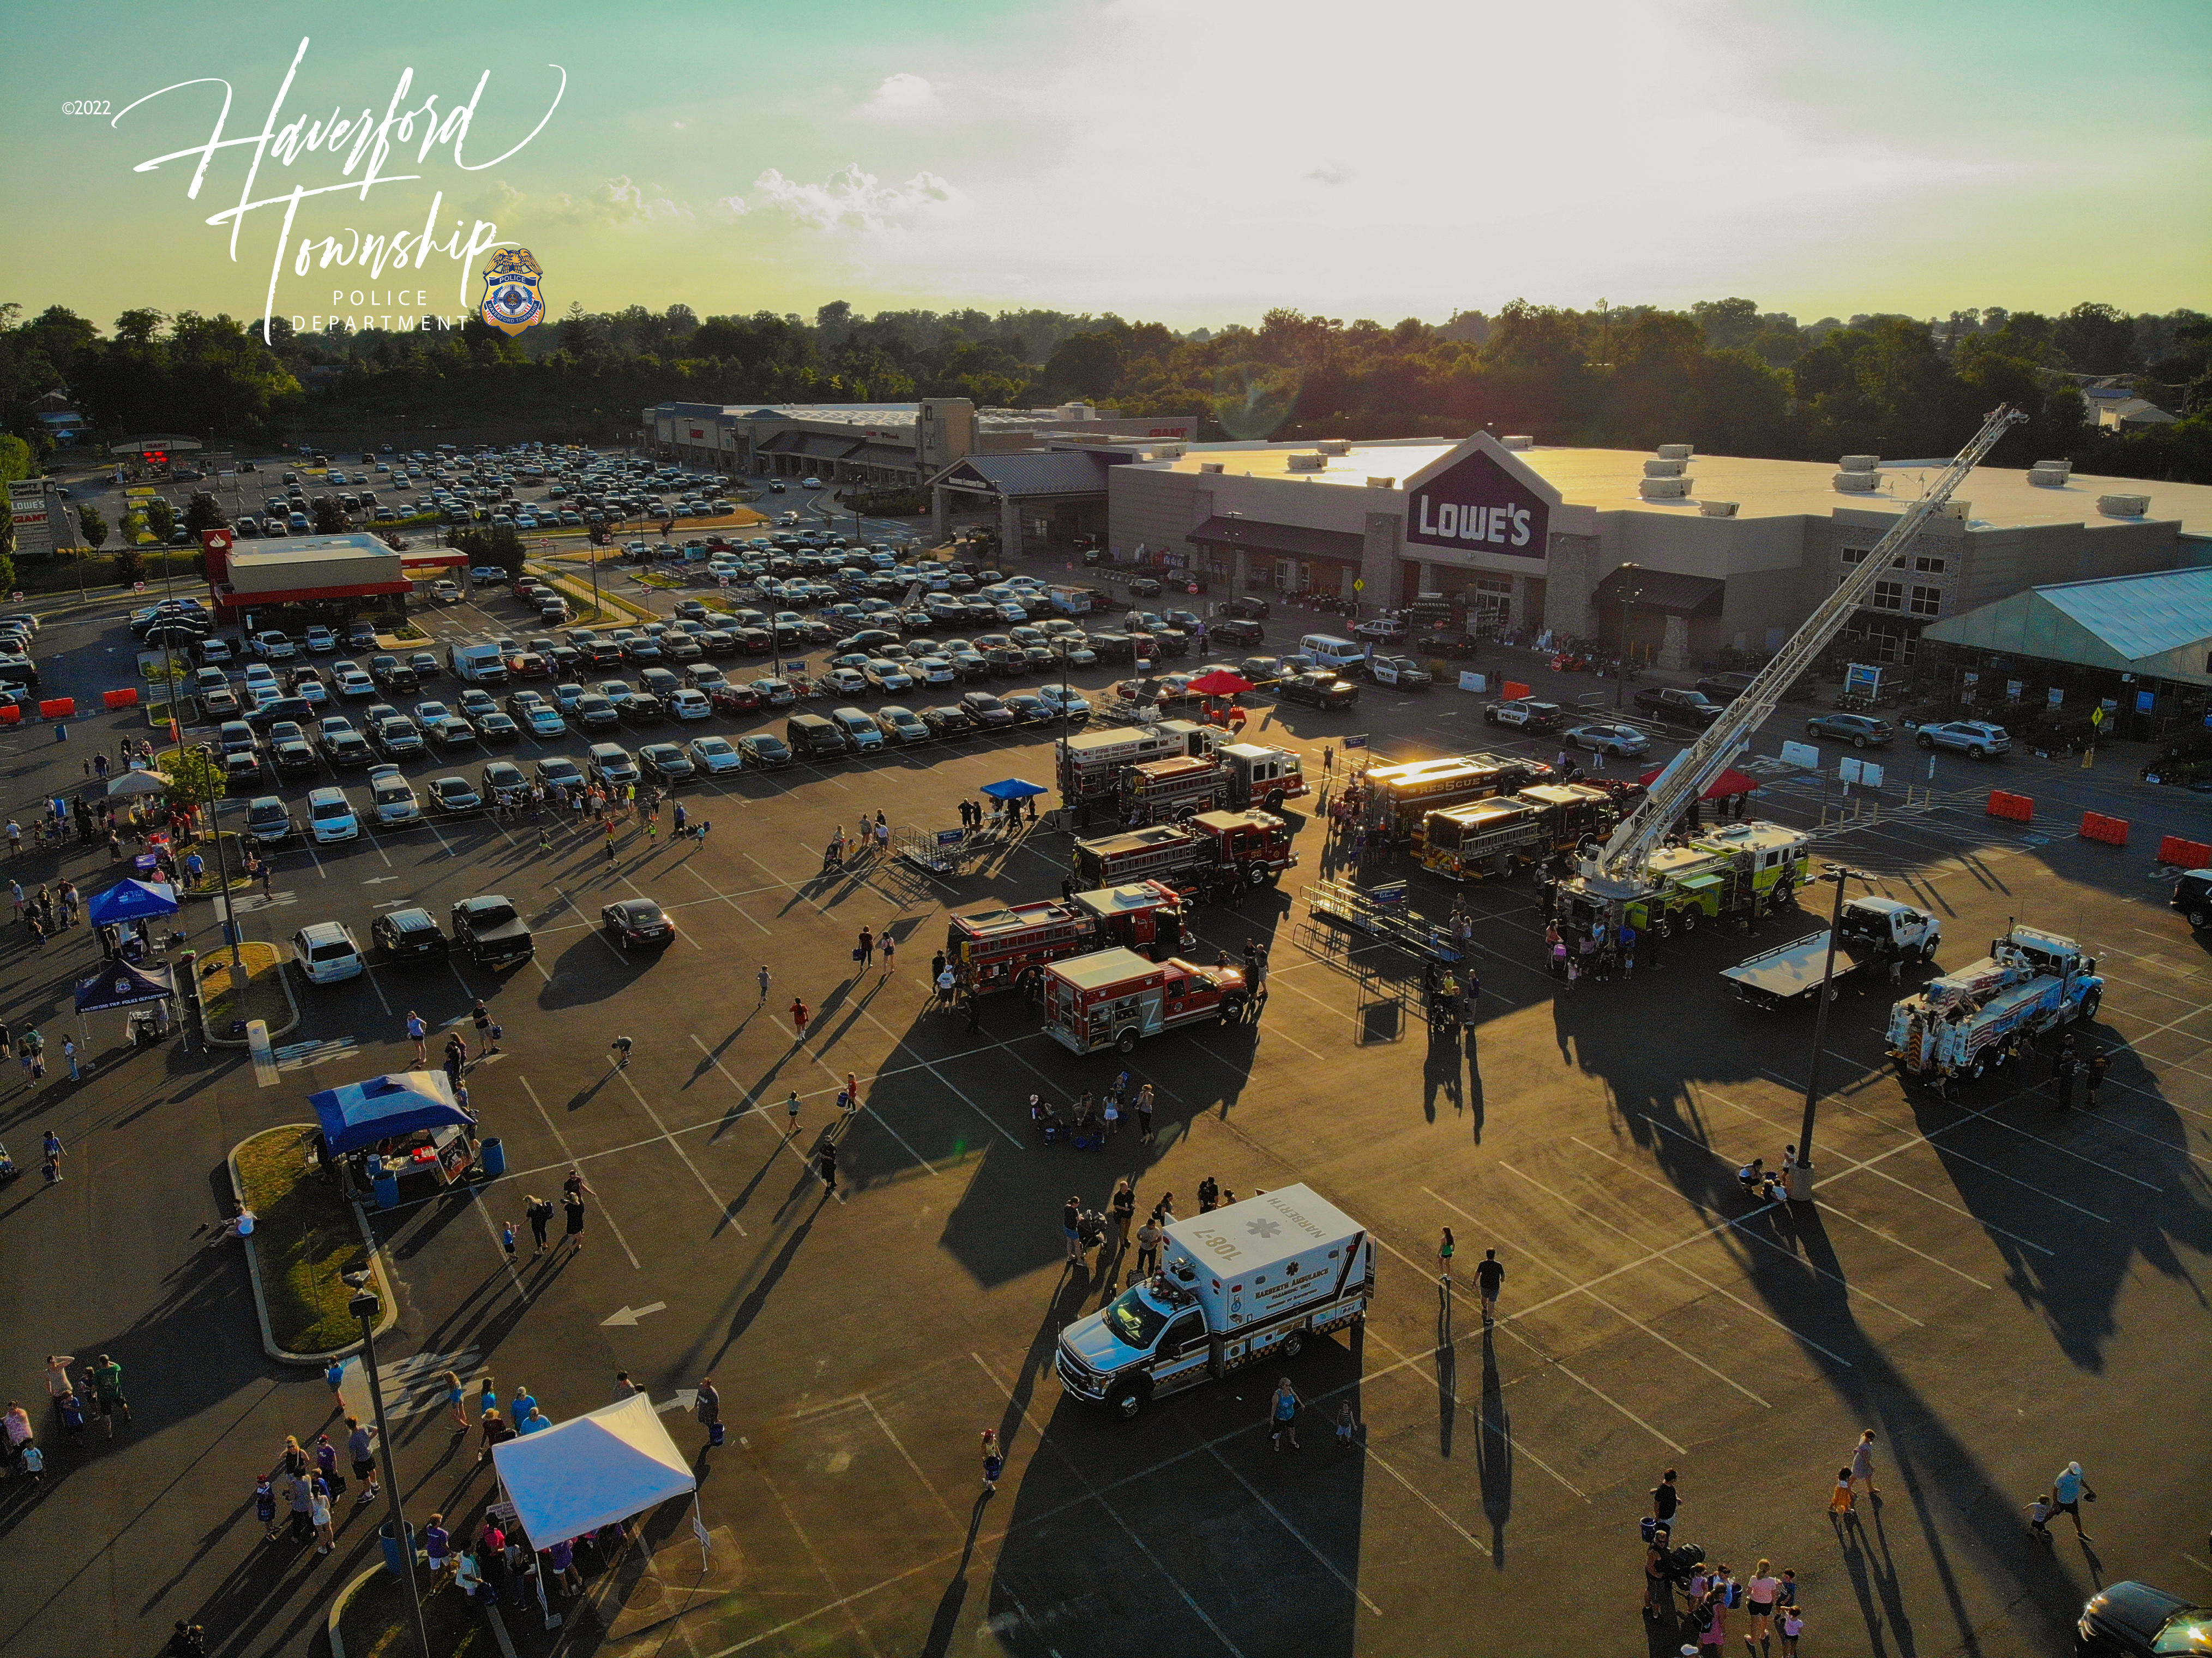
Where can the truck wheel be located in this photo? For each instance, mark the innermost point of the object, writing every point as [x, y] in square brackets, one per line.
[1184, 814]
[1255, 875]
[1293, 1343]
[1128, 1400]
[2089, 1005]
[1126, 1043]
[1688, 921]
[1232, 1008]
[1928, 951]
[1275, 801]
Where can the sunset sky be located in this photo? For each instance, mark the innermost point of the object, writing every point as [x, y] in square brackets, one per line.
[1195, 162]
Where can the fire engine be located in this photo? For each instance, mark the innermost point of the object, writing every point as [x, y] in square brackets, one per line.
[1495, 837]
[1117, 998]
[1241, 775]
[1091, 762]
[994, 946]
[1398, 797]
[1736, 873]
[1141, 915]
[1207, 857]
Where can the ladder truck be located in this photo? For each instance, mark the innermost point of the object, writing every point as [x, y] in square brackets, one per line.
[1621, 880]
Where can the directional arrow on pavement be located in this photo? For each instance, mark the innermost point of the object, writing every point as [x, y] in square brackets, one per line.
[684, 1399]
[631, 1315]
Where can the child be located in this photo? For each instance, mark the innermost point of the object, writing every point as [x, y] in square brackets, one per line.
[72, 1409]
[33, 1464]
[1347, 1425]
[994, 1459]
[265, 1507]
[1839, 1501]
[1793, 1625]
[2040, 1511]
[506, 1240]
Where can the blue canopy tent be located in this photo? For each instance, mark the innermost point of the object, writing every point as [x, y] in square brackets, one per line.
[121, 984]
[130, 900]
[360, 1114]
[1013, 788]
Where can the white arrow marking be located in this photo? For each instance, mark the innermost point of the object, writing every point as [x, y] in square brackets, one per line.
[684, 1399]
[378, 880]
[631, 1315]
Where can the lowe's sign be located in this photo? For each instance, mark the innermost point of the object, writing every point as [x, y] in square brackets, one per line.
[1478, 499]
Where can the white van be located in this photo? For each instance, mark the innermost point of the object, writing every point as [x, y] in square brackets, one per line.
[331, 816]
[477, 664]
[1332, 653]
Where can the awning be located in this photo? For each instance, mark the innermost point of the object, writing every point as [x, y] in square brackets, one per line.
[1668, 591]
[119, 984]
[1298, 540]
[1013, 788]
[405, 1102]
[132, 901]
[592, 1471]
[1730, 781]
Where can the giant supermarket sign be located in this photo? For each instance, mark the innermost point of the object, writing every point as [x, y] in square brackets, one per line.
[1479, 498]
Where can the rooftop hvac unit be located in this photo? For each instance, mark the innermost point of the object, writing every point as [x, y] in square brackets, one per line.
[1306, 461]
[1675, 450]
[1381, 483]
[1858, 483]
[2050, 474]
[1334, 446]
[1717, 509]
[1860, 462]
[1209, 466]
[2123, 505]
[1523, 442]
[1166, 451]
[1959, 510]
[1664, 469]
[1663, 488]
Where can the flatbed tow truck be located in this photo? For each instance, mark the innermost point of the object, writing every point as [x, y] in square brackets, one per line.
[1875, 932]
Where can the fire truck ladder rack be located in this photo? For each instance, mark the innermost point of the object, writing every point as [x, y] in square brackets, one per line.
[1382, 912]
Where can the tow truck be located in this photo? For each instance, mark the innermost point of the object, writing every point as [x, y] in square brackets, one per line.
[1117, 998]
[1875, 932]
[1980, 1017]
[1507, 832]
[1212, 855]
[1635, 873]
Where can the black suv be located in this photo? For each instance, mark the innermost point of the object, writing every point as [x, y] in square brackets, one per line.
[1237, 631]
[1320, 688]
[1672, 702]
[1243, 605]
[2192, 896]
[408, 935]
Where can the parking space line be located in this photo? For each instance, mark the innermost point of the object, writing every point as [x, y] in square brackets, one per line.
[859, 1109]
[930, 1066]
[1560, 1366]
[729, 1212]
[513, 1272]
[561, 1140]
[1305, 1542]
[369, 974]
[724, 897]
[1517, 1447]
[899, 1445]
[1112, 1513]
[754, 1108]
[813, 1554]
[1617, 1312]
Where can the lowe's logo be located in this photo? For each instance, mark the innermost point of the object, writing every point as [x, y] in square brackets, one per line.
[1499, 526]
[1479, 504]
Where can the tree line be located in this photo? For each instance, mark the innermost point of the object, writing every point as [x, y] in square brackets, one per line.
[1723, 375]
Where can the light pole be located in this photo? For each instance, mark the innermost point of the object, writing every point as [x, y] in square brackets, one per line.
[1627, 617]
[1797, 1178]
[365, 1306]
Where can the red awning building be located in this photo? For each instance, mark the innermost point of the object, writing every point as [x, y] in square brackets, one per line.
[314, 569]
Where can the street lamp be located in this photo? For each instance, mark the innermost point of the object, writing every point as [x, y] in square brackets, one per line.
[365, 1306]
[1628, 599]
[1797, 1177]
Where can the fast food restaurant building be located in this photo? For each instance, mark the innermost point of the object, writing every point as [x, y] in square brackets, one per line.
[1680, 556]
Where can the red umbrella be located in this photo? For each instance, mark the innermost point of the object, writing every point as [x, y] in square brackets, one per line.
[1730, 781]
[1220, 682]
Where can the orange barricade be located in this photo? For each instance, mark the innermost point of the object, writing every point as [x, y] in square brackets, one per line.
[11, 715]
[125, 698]
[2113, 831]
[2019, 807]
[59, 708]
[1512, 689]
[2173, 850]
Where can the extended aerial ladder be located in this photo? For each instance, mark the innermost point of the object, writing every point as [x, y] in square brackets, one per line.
[1617, 871]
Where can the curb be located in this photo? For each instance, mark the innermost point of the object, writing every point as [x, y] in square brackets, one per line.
[338, 1607]
[376, 1256]
[283, 980]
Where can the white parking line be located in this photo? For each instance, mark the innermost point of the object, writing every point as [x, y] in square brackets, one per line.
[729, 1212]
[561, 1140]
[753, 1108]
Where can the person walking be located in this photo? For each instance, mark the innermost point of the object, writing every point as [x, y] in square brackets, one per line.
[457, 1401]
[1863, 1464]
[1445, 1246]
[888, 946]
[539, 1213]
[791, 1113]
[864, 951]
[495, 1433]
[994, 1459]
[1760, 1597]
[948, 983]
[572, 1204]
[418, 1032]
[1144, 1110]
[107, 1393]
[706, 1407]
[1489, 1277]
[1283, 1415]
[481, 1016]
[2063, 1068]
[361, 1449]
[974, 1013]
[827, 1161]
[1841, 1505]
[799, 1015]
[2095, 1066]
[2068, 1491]
[1071, 1228]
[1122, 1206]
[763, 976]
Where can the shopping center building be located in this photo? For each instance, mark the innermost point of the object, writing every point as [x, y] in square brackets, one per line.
[247, 576]
[1678, 555]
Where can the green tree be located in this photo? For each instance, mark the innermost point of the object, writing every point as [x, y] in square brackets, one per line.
[203, 513]
[129, 566]
[1728, 324]
[331, 519]
[2097, 339]
[162, 520]
[15, 459]
[94, 527]
[194, 778]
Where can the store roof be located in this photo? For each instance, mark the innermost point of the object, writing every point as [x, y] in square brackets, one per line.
[1667, 590]
[1056, 472]
[2157, 625]
[1606, 480]
[1296, 539]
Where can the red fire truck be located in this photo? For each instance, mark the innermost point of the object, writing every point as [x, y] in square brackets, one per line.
[1091, 762]
[1117, 998]
[996, 946]
[1208, 857]
[1146, 916]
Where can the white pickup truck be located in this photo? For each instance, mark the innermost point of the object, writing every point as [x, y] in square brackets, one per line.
[1252, 1281]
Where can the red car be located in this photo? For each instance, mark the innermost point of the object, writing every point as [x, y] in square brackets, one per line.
[733, 698]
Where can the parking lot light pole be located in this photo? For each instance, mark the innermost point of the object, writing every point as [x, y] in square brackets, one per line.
[365, 1306]
[1797, 1177]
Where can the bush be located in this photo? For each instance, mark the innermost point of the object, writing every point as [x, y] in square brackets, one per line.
[129, 565]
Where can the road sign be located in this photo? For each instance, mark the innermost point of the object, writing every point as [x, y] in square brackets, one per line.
[1359, 586]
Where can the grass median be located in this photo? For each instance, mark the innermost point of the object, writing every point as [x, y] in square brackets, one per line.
[305, 1236]
[264, 996]
[373, 1623]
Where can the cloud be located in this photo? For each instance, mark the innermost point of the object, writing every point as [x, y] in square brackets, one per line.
[903, 97]
[618, 201]
[848, 199]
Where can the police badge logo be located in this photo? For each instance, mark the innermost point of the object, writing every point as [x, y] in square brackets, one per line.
[512, 302]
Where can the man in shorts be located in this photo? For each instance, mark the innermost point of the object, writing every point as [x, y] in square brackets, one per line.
[107, 1390]
[1488, 1277]
[362, 1451]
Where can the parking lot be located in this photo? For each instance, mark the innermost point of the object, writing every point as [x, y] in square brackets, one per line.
[1994, 1287]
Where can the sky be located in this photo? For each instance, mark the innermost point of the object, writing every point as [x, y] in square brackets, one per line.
[1190, 161]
